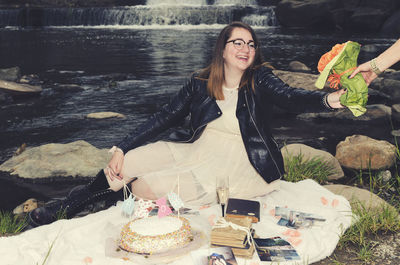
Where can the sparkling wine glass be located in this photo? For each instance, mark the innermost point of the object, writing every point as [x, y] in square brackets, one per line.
[222, 188]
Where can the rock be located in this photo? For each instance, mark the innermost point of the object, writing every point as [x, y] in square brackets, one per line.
[76, 159]
[362, 152]
[27, 206]
[305, 13]
[15, 88]
[375, 113]
[10, 74]
[392, 24]
[299, 80]
[395, 133]
[370, 48]
[396, 112]
[385, 176]
[105, 115]
[391, 74]
[368, 19]
[358, 196]
[68, 87]
[20, 149]
[309, 153]
[297, 66]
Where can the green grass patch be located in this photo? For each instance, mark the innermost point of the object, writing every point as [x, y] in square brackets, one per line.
[10, 224]
[369, 223]
[298, 168]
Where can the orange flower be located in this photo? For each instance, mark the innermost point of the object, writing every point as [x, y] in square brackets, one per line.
[327, 57]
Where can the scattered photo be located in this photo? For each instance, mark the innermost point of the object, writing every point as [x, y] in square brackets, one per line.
[296, 219]
[214, 256]
[275, 249]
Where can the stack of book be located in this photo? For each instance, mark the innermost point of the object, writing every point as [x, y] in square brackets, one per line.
[234, 238]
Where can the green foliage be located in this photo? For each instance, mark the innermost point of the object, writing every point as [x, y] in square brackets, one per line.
[368, 223]
[10, 224]
[297, 168]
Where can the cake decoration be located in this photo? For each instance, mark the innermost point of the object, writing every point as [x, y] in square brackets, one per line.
[163, 209]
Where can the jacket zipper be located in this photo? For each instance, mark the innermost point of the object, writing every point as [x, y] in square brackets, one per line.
[255, 125]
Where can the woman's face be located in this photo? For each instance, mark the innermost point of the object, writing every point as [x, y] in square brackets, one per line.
[239, 50]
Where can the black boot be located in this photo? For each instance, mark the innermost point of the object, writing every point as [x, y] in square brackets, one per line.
[77, 199]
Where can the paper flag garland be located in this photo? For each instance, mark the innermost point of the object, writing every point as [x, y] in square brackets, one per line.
[175, 201]
[163, 209]
[128, 205]
[142, 208]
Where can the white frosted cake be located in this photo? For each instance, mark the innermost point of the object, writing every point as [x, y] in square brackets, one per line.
[154, 235]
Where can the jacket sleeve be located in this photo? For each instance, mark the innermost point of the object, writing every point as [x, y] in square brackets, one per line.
[170, 115]
[296, 100]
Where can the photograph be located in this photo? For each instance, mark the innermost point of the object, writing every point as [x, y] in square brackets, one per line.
[275, 249]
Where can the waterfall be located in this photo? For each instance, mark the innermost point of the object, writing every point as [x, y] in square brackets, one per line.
[154, 13]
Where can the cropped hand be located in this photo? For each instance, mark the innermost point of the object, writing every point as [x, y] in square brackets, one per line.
[366, 71]
[114, 167]
[334, 99]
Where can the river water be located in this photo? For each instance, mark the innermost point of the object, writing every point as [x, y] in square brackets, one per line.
[133, 70]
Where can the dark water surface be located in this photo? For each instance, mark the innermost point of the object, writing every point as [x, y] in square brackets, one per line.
[133, 71]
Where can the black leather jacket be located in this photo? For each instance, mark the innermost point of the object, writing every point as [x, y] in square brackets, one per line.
[254, 111]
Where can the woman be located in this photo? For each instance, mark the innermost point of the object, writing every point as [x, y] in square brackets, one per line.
[228, 106]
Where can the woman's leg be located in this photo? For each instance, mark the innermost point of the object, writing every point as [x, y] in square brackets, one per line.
[143, 161]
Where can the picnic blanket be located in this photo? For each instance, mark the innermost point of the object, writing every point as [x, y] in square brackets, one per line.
[83, 240]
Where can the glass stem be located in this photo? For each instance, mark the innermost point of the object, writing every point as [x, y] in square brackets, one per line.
[223, 209]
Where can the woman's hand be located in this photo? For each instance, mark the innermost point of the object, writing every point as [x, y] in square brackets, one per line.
[366, 71]
[333, 99]
[114, 167]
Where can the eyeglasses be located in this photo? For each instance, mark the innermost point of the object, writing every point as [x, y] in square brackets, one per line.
[239, 44]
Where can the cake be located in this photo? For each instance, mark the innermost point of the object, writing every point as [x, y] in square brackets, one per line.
[154, 235]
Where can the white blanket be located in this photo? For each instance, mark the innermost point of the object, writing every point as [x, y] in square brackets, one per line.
[83, 240]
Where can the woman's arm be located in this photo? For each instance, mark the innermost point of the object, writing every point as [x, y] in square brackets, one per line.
[294, 99]
[170, 115]
[371, 69]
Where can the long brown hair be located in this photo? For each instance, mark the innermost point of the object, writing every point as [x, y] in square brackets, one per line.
[214, 73]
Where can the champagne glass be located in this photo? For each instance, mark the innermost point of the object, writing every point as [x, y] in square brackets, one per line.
[222, 187]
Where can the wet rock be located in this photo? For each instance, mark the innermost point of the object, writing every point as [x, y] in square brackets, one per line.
[396, 112]
[377, 112]
[68, 87]
[362, 152]
[76, 159]
[20, 149]
[392, 24]
[10, 74]
[385, 176]
[391, 74]
[308, 153]
[388, 86]
[299, 80]
[27, 206]
[105, 115]
[358, 196]
[15, 88]
[297, 66]
[30, 79]
[304, 14]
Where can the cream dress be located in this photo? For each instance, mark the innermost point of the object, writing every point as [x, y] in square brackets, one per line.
[191, 169]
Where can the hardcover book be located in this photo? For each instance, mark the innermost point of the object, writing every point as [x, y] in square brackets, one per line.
[238, 208]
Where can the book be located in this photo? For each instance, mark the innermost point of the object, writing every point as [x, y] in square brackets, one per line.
[239, 208]
[246, 252]
[227, 236]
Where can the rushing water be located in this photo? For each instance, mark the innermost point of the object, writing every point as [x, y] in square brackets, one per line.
[133, 70]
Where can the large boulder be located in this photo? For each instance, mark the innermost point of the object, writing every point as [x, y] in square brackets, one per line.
[362, 152]
[360, 197]
[308, 153]
[388, 86]
[76, 159]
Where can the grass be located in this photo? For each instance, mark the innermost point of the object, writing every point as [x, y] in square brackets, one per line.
[298, 168]
[369, 223]
[10, 224]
